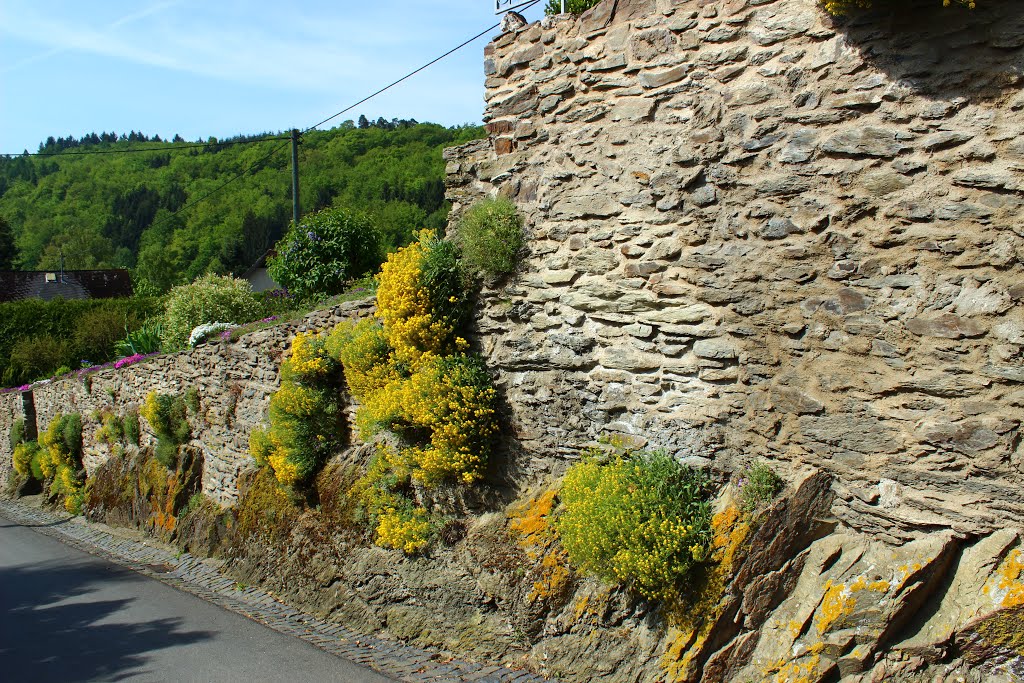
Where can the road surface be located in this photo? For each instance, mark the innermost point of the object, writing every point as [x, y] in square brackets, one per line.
[68, 616]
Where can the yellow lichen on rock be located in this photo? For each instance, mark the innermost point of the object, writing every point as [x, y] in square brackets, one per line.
[1006, 587]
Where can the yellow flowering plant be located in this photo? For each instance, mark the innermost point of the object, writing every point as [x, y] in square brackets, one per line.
[305, 414]
[641, 519]
[60, 460]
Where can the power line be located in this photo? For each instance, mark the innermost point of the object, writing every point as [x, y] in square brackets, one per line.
[170, 148]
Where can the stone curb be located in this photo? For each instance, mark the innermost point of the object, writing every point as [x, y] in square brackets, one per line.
[192, 575]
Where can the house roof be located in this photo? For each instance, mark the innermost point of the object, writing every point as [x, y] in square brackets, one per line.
[72, 284]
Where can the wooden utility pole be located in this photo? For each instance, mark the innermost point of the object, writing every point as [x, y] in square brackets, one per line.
[295, 175]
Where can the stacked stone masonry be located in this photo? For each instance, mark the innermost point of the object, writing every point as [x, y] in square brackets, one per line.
[757, 231]
[234, 382]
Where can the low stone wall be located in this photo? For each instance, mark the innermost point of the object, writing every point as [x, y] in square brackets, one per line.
[234, 382]
[758, 231]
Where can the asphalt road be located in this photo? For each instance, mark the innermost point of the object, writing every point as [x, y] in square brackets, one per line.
[68, 616]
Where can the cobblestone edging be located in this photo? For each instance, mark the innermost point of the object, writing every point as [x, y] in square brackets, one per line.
[192, 575]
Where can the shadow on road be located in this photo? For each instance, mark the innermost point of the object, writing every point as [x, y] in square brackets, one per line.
[50, 629]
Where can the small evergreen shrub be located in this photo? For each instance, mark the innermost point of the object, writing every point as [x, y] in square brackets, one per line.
[491, 236]
[210, 298]
[98, 332]
[326, 250]
[132, 433]
[166, 414]
[641, 519]
[759, 486]
[26, 460]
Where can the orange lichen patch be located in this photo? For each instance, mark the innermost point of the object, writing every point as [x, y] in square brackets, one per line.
[837, 603]
[554, 575]
[696, 618]
[1006, 588]
[532, 521]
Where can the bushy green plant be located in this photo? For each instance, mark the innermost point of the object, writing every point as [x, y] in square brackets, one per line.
[16, 434]
[642, 519]
[211, 298]
[166, 414]
[61, 461]
[842, 7]
[491, 236]
[98, 331]
[132, 432]
[759, 486]
[146, 339]
[26, 460]
[305, 415]
[571, 6]
[37, 357]
[444, 278]
[326, 250]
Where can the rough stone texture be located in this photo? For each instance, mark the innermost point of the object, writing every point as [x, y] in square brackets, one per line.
[815, 225]
[10, 410]
[234, 381]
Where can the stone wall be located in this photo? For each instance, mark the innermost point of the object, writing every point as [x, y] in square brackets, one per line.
[10, 410]
[756, 231]
[234, 382]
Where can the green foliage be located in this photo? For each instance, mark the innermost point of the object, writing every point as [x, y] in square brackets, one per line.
[37, 357]
[759, 486]
[166, 414]
[61, 461]
[132, 432]
[641, 519]
[325, 251]
[843, 7]
[445, 280]
[305, 415]
[98, 331]
[571, 6]
[146, 339]
[117, 210]
[26, 460]
[17, 433]
[491, 236]
[192, 400]
[45, 333]
[211, 298]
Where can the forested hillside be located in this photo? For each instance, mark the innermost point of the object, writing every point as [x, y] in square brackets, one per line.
[132, 210]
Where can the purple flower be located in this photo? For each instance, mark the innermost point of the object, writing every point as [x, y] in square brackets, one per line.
[269, 320]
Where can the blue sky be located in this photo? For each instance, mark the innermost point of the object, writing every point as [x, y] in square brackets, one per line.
[201, 68]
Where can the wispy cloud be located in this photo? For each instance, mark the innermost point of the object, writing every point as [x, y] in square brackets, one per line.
[302, 53]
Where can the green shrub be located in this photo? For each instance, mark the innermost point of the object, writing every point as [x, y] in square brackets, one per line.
[61, 461]
[146, 339]
[132, 433]
[571, 6]
[192, 400]
[325, 251]
[842, 7]
[17, 433]
[643, 520]
[211, 298]
[305, 415]
[445, 280]
[166, 414]
[26, 460]
[37, 357]
[759, 486]
[56, 320]
[491, 236]
[98, 331]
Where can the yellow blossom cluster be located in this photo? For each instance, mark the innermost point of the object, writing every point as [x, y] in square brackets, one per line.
[60, 460]
[405, 531]
[404, 305]
[644, 521]
[304, 414]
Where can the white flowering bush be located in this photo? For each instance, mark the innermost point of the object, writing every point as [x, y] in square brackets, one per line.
[201, 333]
[208, 299]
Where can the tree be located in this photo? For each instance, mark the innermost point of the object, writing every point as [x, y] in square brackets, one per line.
[8, 250]
[325, 251]
[364, 123]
